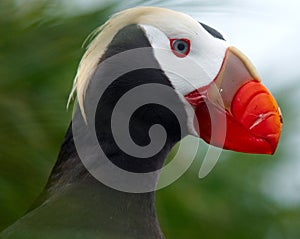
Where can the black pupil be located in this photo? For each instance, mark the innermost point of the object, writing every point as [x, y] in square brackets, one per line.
[181, 46]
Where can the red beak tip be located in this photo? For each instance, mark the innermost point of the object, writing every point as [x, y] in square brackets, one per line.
[255, 108]
[253, 125]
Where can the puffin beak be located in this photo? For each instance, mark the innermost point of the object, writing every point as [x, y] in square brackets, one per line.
[236, 111]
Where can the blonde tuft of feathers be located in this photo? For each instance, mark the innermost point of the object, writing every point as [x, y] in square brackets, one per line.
[102, 36]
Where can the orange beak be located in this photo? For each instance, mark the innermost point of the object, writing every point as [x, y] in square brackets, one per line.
[236, 111]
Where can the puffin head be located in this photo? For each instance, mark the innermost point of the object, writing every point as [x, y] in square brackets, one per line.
[231, 108]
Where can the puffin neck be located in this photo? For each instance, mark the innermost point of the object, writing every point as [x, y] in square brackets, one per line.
[69, 173]
[122, 213]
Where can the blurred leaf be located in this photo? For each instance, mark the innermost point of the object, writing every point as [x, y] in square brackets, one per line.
[38, 61]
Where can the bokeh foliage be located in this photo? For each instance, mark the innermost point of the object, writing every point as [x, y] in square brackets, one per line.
[39, 54]
[38, 60]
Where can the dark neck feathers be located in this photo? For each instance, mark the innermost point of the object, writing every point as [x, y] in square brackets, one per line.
[137, 209]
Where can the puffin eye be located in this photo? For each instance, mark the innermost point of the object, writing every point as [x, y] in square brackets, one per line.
[180, 47]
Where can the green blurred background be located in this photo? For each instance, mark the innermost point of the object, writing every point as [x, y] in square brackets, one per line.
[246, 196]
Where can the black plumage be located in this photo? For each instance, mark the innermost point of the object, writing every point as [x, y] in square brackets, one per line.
[76, 205]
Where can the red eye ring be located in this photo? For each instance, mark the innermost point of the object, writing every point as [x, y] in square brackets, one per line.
[180, 47]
